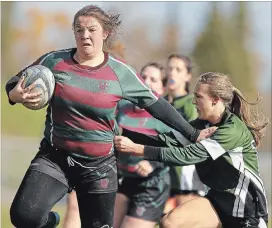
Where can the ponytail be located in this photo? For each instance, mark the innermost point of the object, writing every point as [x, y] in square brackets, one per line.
[243, 109]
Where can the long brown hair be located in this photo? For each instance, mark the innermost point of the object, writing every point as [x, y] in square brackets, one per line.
[221, 86]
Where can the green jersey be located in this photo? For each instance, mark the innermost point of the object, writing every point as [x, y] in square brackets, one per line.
[227, 163]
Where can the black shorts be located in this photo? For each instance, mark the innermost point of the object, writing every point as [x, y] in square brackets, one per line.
[229, 221]
[147, 195]
[85, 176]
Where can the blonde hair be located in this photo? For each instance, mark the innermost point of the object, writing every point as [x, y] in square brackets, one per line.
[221, 86]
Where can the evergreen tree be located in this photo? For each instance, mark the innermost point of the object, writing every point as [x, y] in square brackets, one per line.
[221, 48]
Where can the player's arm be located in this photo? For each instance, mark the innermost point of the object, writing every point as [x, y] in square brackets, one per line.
[224, 139]
[135, 90]
[177, 156]
[15, 92]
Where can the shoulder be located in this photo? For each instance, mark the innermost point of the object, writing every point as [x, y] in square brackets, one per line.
[229, 134]
[48, 59]
[232, 126]
[120, 67]
[59, 54]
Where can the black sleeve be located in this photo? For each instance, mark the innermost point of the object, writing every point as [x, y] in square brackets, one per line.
[10, 85]
[165, 112]
[139, 138]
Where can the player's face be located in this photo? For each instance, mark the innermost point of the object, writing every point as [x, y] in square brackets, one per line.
[152, 77]
[89, 36]
[177, 74]
[203, 102]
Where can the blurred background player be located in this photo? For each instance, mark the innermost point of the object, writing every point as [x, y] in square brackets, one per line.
[185, 183]
[144, 186]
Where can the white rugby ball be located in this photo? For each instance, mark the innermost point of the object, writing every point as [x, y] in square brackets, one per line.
[44, 81]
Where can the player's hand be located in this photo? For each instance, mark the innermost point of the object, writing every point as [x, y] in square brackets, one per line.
[22, 95]
[144, 168]
[206, 133]
[124, 144]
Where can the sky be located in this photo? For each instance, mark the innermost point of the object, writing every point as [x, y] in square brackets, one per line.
[190, 14]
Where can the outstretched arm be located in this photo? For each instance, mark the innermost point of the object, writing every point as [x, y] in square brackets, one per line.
[192, 154]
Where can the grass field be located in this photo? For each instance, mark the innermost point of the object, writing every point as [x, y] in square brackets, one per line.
[22, 119]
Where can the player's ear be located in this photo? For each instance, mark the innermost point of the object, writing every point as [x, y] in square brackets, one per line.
[105, 34]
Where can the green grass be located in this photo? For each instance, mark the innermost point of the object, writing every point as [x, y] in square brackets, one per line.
[5, 220]
[18, 120]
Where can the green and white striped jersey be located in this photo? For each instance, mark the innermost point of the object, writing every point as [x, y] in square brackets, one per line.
[227, 163]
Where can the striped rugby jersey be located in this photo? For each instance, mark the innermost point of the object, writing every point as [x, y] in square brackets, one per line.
[227, 163]
[132, 118]
[81, 115]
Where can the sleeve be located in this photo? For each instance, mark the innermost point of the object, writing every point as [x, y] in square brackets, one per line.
[223, 140]
[177, 156]
[13, 81]
[134, 88]
[165, 112]
[143, 139]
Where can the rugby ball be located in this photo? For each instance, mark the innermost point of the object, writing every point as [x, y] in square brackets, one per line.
[44, 81]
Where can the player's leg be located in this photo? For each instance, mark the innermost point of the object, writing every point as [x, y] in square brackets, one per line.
[96, 209]
[36, 196]
[148, 201]
[120, 209]
[43, 185]
[96, 187]
[195, 213]
[72, 218]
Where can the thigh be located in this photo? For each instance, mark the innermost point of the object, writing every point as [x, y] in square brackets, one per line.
[120, 209]
[196, 213]
[96, 209]
[149, 200]
[36, 196]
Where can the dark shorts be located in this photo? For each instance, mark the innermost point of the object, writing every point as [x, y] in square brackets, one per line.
[147, 195]
[229, 221]
[85, 176]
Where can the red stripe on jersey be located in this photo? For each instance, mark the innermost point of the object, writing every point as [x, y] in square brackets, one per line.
[65, 117]
[134, 113]
[145, 131]
[105, 73]
[87, 148]
[128, 168]
[98, 100]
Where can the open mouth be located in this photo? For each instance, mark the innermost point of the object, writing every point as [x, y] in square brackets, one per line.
[86, 45]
